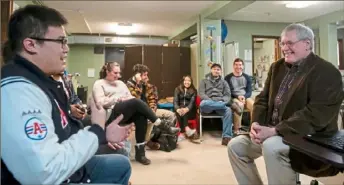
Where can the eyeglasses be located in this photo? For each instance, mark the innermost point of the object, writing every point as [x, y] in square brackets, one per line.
[289, 43]
[63, 41]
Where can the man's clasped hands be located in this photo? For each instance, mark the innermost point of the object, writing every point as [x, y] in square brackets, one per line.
[259, 134]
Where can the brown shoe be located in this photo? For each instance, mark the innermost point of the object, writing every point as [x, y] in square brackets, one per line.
[225, 141]
[153, 145]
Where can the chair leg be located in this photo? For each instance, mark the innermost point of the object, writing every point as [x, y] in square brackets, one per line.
[298, 182]
[200, 129]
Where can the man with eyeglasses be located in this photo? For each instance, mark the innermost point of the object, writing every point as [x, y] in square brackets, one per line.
[302, 95]
[40, 143]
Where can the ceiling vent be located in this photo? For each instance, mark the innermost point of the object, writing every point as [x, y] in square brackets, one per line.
[108, 39]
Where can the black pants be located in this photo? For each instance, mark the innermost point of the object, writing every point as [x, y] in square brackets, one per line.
[134, 110]
[183, 121]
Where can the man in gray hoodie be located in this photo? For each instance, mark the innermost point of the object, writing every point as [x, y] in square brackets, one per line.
[215, 96]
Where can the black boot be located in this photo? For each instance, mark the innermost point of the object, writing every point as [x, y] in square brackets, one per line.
[165, 127]
[140, 155]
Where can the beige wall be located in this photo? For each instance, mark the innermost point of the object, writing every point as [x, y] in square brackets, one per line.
[80, 58]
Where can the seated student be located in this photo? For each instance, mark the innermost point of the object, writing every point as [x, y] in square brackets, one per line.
[215, 96]
[302, 95]
[114, 95]
[241, 91]
[139, 87]
[79, 113]
[40, 142]
[77, 110]
[185, 107]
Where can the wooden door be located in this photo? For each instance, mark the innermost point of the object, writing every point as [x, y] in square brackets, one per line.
[171, 70]
[152, 57]
[185, 62]
[132, 56]
[278, 52]
[6, 11]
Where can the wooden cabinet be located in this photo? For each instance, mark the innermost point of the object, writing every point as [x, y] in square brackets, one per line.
[167, 65]
[6, 11]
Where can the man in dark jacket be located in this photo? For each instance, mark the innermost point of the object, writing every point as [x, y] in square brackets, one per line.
[40, 142]
[215, 96]
[302, 95]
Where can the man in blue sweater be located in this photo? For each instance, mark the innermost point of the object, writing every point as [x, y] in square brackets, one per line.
[240, 85]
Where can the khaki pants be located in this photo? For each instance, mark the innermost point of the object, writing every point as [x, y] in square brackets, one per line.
[238, 118]
[242, 152]
[160, 113]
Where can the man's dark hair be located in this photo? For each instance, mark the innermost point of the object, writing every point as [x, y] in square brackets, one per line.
[140, 68]
[239, 60]
[30, 21]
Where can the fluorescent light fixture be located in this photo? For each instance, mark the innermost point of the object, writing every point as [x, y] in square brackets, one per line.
[298, 4]
[122, 28]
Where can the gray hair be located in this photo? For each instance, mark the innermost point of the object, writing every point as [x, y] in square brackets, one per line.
[302, 32]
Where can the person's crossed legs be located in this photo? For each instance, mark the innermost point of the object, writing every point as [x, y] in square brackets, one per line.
[208, 106]
[109, 168]
[238, 116]
[242, 152]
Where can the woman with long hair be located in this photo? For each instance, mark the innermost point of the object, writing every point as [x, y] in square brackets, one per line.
[113, 95]
[185, 106]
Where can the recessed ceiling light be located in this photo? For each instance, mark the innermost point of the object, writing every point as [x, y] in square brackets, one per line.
[299, 4]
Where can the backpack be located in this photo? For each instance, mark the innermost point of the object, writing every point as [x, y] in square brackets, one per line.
[167, 141]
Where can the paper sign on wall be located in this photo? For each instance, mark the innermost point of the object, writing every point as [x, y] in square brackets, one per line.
[90, 72]
[248, 54]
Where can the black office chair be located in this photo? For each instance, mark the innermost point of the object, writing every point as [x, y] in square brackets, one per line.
[315, 182]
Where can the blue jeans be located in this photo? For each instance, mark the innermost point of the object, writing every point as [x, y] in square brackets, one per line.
[208, 106]
[109, 168]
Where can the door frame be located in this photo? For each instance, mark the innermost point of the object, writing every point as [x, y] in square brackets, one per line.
[265, 37]
[341, 55]
[6, 11]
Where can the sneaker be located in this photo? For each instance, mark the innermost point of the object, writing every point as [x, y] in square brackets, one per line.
[181, 137]
[190, 132]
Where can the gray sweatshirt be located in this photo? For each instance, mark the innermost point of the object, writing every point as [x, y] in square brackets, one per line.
[214, 89]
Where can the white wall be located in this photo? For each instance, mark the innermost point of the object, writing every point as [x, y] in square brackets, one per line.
[268, 49]
[267, 52]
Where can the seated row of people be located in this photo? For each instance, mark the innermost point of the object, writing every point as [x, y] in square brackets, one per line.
[43, 143]
[222, 95]
[115, 97]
